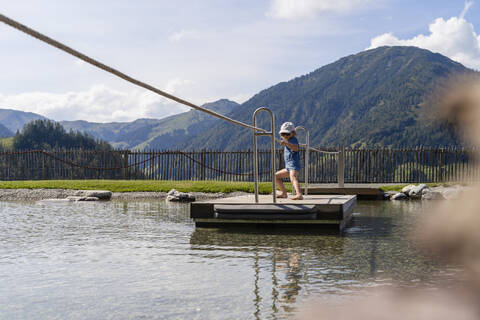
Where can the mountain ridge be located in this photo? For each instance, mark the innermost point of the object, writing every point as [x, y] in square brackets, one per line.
[153, 133]
[372, 98]
[15, 119]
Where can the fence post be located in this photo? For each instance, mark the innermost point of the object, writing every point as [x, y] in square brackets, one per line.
[44, 173]
[203, 171]
[125, 164]
[341, 167]
[442, 165]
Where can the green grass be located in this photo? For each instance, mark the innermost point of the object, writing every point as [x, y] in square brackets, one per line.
[141, 185]
[6, 143]
[163, 185]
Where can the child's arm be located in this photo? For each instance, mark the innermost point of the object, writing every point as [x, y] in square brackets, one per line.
[292, 146]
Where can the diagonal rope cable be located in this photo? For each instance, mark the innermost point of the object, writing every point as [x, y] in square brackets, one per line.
[81, 56]
[111, 70]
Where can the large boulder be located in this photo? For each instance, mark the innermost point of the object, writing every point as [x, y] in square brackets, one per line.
[399, 196]
[100, 194]
[407, 189]
[82, 198]
[416, 191]
[389, 194]
[177, 196]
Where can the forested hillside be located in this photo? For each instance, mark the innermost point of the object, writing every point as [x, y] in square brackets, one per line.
[5, 132]
[371, 99]
[47, 135]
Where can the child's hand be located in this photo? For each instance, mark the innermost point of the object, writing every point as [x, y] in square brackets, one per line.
[283, 142]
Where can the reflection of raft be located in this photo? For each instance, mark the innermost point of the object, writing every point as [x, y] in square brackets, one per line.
[314, 211]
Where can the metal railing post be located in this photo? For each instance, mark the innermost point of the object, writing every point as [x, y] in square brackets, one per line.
[307, 153]
[255, 152]
[341, 167]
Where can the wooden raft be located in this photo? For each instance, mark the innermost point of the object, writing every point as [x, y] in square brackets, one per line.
[314, 211]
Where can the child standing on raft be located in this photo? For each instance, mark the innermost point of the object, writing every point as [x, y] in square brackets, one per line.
[291, 156]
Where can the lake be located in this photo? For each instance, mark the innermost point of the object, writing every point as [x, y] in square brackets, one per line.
[146, 260]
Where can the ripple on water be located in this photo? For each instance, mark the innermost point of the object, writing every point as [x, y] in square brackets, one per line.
[145, 259]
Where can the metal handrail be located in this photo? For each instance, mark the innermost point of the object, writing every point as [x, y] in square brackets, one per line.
[307, 152]
[257, 133]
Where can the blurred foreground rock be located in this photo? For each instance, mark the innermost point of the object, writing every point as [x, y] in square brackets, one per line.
[448, 233]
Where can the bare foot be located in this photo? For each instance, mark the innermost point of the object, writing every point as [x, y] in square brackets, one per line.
[282, 195]
[298, 197]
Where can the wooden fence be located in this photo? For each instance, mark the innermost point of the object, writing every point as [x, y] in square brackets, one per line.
[360, 165]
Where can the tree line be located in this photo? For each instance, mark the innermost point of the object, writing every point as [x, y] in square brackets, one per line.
[48, 135]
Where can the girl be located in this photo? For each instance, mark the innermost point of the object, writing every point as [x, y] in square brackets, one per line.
[292, 161]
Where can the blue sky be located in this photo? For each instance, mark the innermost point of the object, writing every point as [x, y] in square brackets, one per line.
[205, 50]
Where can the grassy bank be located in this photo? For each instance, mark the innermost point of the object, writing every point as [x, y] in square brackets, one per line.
[161, 186]
[140, 185]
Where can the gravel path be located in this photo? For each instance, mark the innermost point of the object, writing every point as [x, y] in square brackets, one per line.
[41, 194]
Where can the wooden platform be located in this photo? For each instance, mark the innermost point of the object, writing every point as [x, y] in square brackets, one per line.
[333, 211]
[362, 191]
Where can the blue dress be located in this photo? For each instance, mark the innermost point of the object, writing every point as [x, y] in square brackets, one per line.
[292, 158]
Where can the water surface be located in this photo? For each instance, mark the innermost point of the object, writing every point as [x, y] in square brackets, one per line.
[146, 260]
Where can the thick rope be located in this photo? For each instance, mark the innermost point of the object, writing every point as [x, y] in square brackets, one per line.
[111, 70]
[122, 75]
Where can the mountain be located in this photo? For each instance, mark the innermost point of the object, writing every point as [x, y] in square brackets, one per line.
[166, 133]
[5, 132]
[374, 98]
[15, 120]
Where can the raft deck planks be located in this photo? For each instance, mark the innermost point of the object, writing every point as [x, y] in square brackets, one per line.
[331, 211]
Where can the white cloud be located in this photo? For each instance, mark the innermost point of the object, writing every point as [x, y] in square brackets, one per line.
[300, 9]
[98, 104]
[178, 36]
[455, 38]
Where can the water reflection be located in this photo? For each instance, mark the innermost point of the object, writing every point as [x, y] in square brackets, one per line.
[147, 259]
[374, 251]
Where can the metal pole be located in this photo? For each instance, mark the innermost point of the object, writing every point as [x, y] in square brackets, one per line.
[307, 152]
[341, 167]
[255, 158]
[255, 152]
[274, 169]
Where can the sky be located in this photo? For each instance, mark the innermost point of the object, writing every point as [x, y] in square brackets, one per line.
[204, 50]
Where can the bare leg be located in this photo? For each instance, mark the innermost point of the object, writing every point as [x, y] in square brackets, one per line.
[296, 185]
[278, 178]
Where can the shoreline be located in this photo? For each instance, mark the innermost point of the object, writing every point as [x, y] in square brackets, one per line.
[43, 194]
[37, 194]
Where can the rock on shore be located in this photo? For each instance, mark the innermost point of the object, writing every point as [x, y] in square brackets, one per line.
[424, 192]
[177, 196]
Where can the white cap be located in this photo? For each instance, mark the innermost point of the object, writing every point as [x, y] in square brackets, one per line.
[287, 127]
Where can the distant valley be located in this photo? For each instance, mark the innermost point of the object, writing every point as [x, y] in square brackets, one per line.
[166, 133]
